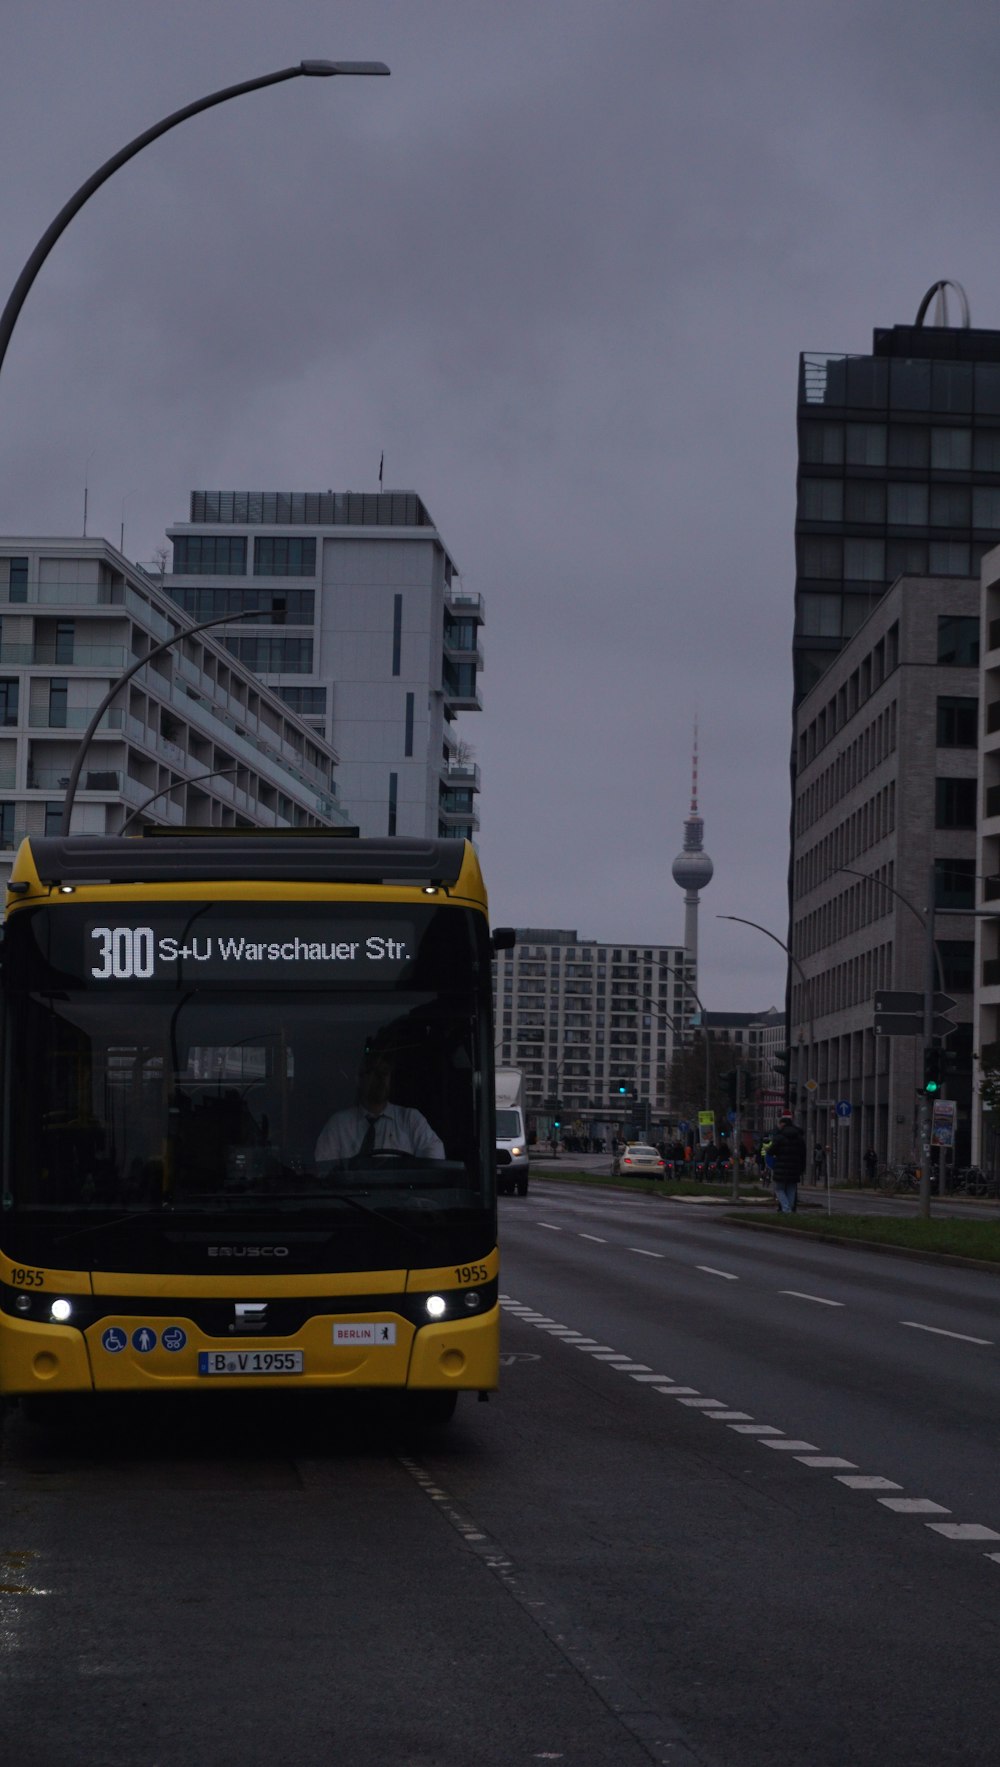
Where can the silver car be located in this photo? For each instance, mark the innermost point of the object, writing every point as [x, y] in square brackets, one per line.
[640, 1160]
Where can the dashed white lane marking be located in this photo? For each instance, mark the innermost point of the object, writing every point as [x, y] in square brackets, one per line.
[939, 1332]
[642, 1254]
[820, 1300]
[965, 1531]
[768, 1435]
[866, 1482]
[595, 1237]
[550, 1225]
[915, 1506]
[727, 1275]
[824, 1460]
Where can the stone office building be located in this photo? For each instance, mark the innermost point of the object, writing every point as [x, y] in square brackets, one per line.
[886, 758]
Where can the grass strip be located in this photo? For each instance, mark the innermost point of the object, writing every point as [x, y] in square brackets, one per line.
[958, 1239]
[661, 1187]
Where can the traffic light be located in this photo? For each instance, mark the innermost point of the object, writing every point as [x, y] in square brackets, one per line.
[623, 1090]
[932, 1071]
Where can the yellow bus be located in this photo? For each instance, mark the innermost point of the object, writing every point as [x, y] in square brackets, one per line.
[248, 1129]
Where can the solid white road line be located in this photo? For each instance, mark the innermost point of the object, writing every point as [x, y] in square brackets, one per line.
[915, 1325]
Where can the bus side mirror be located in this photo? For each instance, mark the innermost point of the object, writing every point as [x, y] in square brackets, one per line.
[504, 938]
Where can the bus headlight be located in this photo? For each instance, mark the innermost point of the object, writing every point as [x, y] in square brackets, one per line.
[61, 1311]
[436, 1306]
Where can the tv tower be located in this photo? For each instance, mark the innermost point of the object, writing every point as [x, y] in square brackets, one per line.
[692, 869]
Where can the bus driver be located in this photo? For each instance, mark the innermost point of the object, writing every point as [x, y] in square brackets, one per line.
[373, 1125]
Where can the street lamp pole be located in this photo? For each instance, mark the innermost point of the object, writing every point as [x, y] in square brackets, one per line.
[19, 292]
[140, 663]
[807, 990]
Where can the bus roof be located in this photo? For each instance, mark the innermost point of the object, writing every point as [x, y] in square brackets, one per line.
[243, 855]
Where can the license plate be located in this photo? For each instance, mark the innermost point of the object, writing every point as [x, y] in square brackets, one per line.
[249, 1361]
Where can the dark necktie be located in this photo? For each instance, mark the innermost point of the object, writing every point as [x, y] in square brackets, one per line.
[368, 1144]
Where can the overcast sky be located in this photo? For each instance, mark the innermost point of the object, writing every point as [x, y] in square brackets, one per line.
[559, 267]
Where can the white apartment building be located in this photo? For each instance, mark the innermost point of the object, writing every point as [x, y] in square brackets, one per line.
[581, 1019]
[361, 625]
[886, 759]
[194, 735]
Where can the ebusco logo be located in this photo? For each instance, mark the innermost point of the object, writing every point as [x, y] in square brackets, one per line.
[248, 1251]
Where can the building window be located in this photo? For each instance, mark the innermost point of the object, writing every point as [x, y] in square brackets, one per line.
[273, 607]
[954, 883]
[65, 640]
[397, 632]
[283, 557]
[821, 500]
[986, 506]
[819, 616]
[954, 803]
[957, 722]
[58, 695]
[6, 824]
[949, 558]
[17, 579]
[218, 555]
[951, 450]
[907, 506]
[957, 957]
[274, 656]
[53, 818]
[408, 727]
[9, 694]
[958, 640]
[864, 561]
[308, 702]
[393, 788]
[819, 558]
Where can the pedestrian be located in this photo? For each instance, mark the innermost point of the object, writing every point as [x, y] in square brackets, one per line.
[788, 1162]
[871, 1165]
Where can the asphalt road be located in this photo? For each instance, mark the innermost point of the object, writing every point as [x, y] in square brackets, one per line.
[737, 1503]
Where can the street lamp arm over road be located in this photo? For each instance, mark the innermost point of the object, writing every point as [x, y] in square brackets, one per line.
[18, 294]
[140, 663]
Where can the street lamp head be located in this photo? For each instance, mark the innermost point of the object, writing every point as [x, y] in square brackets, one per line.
[323, 69]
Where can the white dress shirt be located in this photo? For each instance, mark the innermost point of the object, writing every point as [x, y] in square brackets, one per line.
[398, 1129]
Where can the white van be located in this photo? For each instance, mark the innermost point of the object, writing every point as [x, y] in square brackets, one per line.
[512, 1141]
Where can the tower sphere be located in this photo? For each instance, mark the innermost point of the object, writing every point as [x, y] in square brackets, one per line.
[692, 870]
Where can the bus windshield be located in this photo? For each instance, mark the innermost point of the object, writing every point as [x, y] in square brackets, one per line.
[254, 1064]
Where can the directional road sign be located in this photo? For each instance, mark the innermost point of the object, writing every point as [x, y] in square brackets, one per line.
[904, 1001]
[911, 1024]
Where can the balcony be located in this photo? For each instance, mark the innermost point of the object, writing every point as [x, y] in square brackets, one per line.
[74, 718]
[80, 656]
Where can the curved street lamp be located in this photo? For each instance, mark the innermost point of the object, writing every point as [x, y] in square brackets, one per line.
[19, 292]
[807, 989]
[187, 779]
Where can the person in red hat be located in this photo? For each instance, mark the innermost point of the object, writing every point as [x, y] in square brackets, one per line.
[788, 1150]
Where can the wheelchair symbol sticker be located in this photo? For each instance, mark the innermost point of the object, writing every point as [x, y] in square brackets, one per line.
[114, 1340]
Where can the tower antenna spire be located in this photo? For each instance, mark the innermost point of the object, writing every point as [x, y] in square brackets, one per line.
[692, 869]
